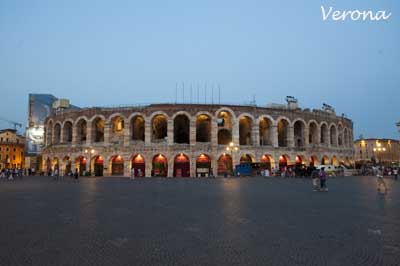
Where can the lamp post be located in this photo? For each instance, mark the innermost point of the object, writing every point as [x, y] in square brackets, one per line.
[378, 150]
[90, 152]
[232, 148]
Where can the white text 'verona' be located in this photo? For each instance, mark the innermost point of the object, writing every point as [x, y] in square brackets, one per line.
[363, 15]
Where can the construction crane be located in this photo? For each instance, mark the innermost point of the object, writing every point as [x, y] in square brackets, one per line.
[15, 124]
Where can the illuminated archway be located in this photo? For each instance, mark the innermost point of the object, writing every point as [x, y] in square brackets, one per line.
[203, 165]
[160, 166]
[117, 165]
[313, 160]
[98, 165]
[139, 164]
[245, 130]
[246, 158]
[80, 164]
[225, 166]
[283, 162]
[325, 160]
[266, 162]
[181, 166]
[203, 128]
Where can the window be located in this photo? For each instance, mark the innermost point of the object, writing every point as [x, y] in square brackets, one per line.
[15, 149]
[14, 157]
[6, 139]
[7, 149]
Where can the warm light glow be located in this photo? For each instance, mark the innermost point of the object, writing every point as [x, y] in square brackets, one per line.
[139, 156]
[227, 148]
[86, 151]
[92, 151]
[384, 149]
[374, 149]
[181, 154]
[224, 154]
[236, 148]
[280, 157]
[297, 158]
[100, 158]
[160, 156]
[119, 157]
[231, 144]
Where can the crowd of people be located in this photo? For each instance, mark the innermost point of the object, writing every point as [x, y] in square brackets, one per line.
[12, 173]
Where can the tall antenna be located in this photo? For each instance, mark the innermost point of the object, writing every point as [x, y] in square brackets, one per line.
[205, 93]
[190, 92]
[183, 92]
[219, 94]
[198, 93]
[176, 92]
[212, 93]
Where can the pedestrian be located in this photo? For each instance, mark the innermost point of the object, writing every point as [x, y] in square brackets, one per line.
[266, 172]
[76, 175]
[139, 174]
[380, 181]
[396, 173]
[322, 179]
[132, 173]
[315, 179]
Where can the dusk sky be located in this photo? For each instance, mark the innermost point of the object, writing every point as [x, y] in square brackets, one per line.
[99, 53]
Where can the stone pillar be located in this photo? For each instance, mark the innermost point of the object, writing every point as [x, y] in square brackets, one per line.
[329, 138]
[290, 136]
[62, 135]
[147, 131]
[89, 136]
[170, 167]
[214, 165]
[235, 131]
[214, 132]
[127, 167]
[318, 142]
[255, 135]
[192, 131]
[274, 135]
[148, 166]
[306, 136]
[127, 136]
[193, 167]
[107, 133]
[170, 131]
[74, 136]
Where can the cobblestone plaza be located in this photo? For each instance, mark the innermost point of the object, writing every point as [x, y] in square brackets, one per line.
[172, 221]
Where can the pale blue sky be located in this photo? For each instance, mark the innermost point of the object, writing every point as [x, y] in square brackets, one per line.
[127, 52]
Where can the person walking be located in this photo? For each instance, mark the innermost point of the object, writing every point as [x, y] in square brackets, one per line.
[396, 173]
[76, 175]
[380, 181]
[132, 173]
[322, 179]
[315, 179]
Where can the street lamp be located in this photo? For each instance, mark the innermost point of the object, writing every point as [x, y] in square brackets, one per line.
[90, 152]
[379, 150]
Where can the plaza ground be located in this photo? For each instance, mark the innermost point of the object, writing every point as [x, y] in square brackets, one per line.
[176, 221]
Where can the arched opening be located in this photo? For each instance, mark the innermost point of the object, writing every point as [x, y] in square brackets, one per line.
[67, 134]
[160, 166]
[225, 165]
[300, 166]
[224, 136]
[245, 130]
[335, 161]
[203, 165]
[246, 158]
[80, 164]
[159, 127]
[181, 129]
[56, 164]
[300, 161]
[224, 120]
[181, 166]
[117, 130]
[98, 165]
[139, 165]
[299, 135]
[48, 165]
[265, 132]
[324, 134]
[81, 131]
[333, 138]
[325, 160]
[266, 162]
[57, 133]
[313, 161]
[203, 128]
[98, 130]
[283, 162]
[283, 133]
[117, 165]
[49, 133]
[67, 166]
[137, 128]
[313, 133]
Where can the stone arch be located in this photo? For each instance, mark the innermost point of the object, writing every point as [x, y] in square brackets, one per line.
[333, 135]
[313, 160]
[324, 133]
[81, 164]
[203, 127]
[159, 165]
[116, 165]
[55, 163]
[159, 126]
[283, 125]
[245, 129]
[137, 127]
[97, 166]
[138, 163]
[117, 128]
[67, 131]
[57, 133]
[225, 121]
[66, 167]
[334, 161]
[247, 158]
[225, 165]
[267, 162]
[313, 132]
[265, 130]
[81, 129]
[325, 160]
[181, 128]
[181, 165]
[299, 126]
[98, 124]
[284, 161]
[203, 165]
